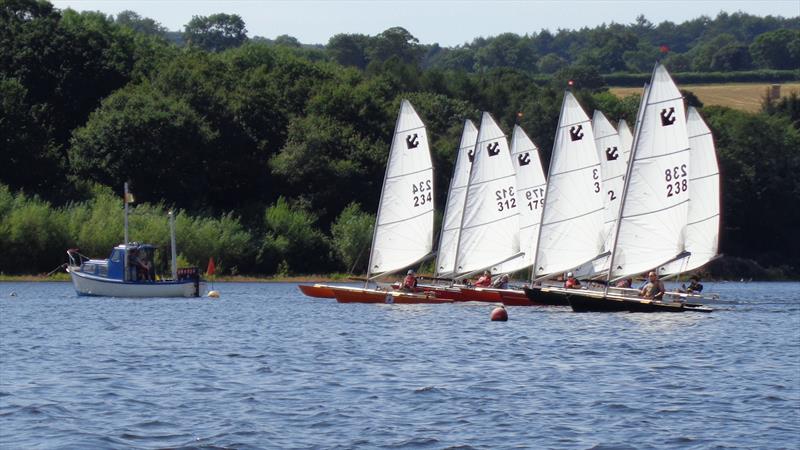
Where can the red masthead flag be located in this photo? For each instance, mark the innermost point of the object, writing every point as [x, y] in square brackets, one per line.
[210, 270]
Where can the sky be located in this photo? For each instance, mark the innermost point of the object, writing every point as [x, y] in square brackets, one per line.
[446, 22]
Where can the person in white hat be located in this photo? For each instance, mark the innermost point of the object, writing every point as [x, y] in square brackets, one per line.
[410, 281]
[572, 282]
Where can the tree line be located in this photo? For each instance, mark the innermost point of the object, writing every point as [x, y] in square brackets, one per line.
[277, 150]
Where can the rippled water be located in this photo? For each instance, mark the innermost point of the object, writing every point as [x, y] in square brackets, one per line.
[265, 367]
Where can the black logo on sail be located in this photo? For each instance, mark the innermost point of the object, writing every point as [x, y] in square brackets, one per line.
[493, 149]
[411, 141]
[576, 133]
[471, 155]
[668, 116]
[524, 159]
[611, 154]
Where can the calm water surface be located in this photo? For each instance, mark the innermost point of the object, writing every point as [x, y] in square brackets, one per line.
[266, 367]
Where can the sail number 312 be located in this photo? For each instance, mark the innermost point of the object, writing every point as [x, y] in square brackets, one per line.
[676, 180]
[421, 191]
[505, 199]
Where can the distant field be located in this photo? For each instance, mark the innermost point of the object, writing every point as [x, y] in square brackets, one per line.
[745, 96]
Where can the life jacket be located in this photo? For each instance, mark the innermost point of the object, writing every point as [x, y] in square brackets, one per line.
[484, 281]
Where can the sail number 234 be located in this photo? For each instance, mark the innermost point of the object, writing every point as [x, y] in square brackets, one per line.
[421, 191]
[676, 180]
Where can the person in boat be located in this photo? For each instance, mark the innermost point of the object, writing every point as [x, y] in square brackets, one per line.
[624, 283]
[572, 282]
[501, 282]
[485, 280]
[694, 285]
[654, 289]
[409, 282]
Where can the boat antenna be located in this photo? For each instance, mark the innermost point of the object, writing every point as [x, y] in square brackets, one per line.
[172, 245]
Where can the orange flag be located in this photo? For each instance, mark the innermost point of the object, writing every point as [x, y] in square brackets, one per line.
[211, 268]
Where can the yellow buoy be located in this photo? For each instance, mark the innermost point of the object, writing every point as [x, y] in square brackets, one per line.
[214, 294]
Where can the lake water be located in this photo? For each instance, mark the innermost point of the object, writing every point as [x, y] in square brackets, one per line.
[265, 367]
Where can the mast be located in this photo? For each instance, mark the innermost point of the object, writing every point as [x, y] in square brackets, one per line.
[125, 242]
[546, 192]
[631, 156]
[172, 245]
[461, 171]
[380, 201]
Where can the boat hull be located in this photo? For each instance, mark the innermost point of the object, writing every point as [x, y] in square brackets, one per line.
[545, 296]
[95, 286]
[391, 297]
[464, 293]
[317, 290]
[588, 303]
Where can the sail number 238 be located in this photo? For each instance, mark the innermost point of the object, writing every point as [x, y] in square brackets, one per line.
[505, 198]
[421, 192]
[676, 180]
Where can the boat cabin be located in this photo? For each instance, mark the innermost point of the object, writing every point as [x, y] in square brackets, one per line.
[138, 259]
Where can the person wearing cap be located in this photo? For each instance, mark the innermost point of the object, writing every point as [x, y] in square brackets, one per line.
[572, 282]
[501, 282]
[654, 289]
[485, 280]
[410, 281]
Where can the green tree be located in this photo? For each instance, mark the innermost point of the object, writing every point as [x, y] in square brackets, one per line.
[216, 32]
[731, 57]
[349, 49]
[777, 49]
[395, 42]
[292, 243]
[140, 24]
[352, 234]
[159, 143]
[758, 155]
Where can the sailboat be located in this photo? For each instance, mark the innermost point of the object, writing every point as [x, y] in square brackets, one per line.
[702, 231]
[454, 209]
[129, 270]
[651, 225]
[403, 233]
[490, 227]
[571, 233]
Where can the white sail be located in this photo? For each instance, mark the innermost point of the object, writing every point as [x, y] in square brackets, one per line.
[654, 211]
[625, 139]
[571, 231]
[612, 168]
[702, 231]
[531, 185]
[490, 226]
[404, 225]
[454, 210]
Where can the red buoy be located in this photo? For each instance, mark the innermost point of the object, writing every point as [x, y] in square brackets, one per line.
[499, 314]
